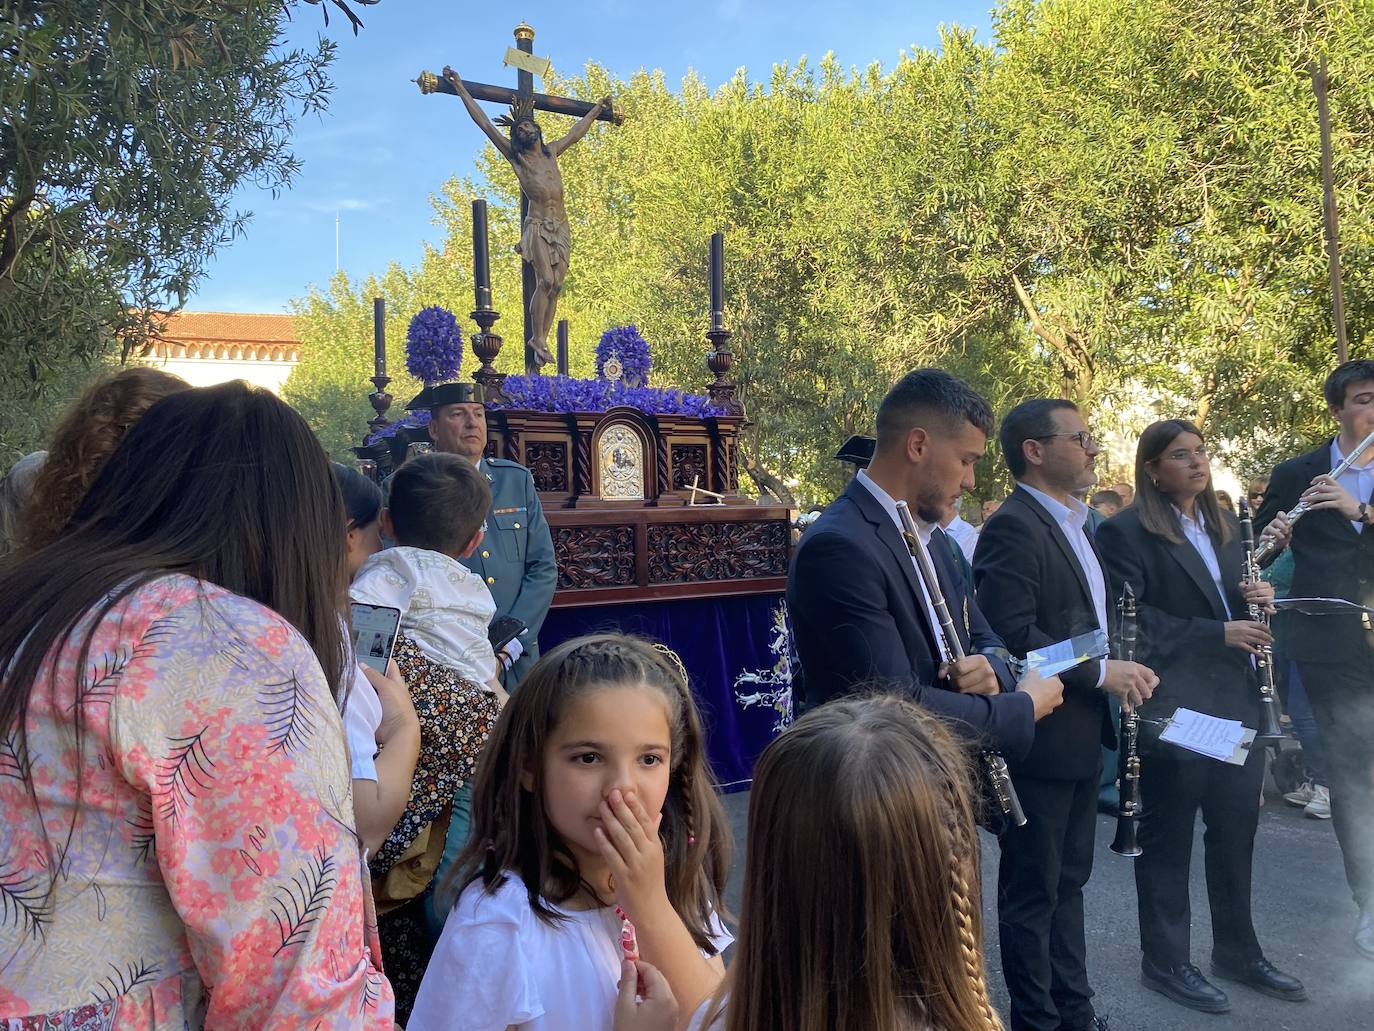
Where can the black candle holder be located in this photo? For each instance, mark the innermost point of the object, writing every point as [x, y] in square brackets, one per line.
[381, 401]
[487, 345]
[719, 360]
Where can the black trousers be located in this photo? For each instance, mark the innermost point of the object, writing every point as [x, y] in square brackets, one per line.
[1172, 790]
[1342, 698]
[1040, 880]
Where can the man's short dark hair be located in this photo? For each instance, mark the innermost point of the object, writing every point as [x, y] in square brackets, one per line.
[926, 394]
[1030, 420]
[1107, 497]
[1343, 377]
[438, 502]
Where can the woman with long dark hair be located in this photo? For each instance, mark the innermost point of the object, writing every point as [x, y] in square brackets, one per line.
[1181, 553]
[178, 845]
[91, 429]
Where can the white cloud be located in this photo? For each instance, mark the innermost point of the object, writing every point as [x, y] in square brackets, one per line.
[342, 204]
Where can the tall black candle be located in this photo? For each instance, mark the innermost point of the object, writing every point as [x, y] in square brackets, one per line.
[481, 263]
[562, 347]
[717, 272]
[379, 335]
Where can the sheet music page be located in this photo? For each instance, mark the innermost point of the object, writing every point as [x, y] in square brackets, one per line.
[1054, 659]
[1207, 735]
[1320, 606]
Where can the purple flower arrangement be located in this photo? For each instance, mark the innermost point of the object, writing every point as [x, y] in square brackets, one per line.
[411, 421]
[434, 345]
[565, 394]
[626, 346]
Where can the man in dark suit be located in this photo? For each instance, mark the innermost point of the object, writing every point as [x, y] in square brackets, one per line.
[859, 612]
[1333, 557]
[1040, 580]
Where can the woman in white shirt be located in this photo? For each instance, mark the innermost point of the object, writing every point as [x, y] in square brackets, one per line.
[379, 720]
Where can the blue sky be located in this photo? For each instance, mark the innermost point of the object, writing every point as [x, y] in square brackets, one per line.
[382, 149]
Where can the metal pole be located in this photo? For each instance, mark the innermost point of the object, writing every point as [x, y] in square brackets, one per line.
[1329, 220]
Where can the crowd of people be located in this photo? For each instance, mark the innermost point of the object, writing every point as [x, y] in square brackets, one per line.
[221, 811]
[1051, 562]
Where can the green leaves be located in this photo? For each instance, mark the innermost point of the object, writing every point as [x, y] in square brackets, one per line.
[1118, 201]
[126, 127]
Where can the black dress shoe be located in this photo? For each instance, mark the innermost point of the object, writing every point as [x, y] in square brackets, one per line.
[1364, 934]
[1186, 986]
[1263, 977]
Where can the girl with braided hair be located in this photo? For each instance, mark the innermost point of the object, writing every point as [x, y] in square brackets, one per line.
[592, 799]
[861, 906]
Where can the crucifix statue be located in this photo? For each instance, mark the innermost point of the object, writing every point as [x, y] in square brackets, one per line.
[545, 236]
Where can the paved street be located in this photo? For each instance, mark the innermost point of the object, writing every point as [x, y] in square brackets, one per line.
[1303, 914]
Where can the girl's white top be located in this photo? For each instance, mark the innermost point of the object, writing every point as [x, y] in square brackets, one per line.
[698, 1018]
[497, 965]
[362, 716]
[445, 607]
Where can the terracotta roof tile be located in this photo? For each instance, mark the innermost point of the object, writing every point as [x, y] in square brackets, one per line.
[230, 327]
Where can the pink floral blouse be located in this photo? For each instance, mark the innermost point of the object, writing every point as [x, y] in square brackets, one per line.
[213, 878]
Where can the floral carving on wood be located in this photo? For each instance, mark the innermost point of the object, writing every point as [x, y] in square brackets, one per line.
[594, 556]
[689, 463]
[547, 461]
[690, 552]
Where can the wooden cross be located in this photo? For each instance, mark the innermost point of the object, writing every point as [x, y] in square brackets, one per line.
[522, 57]
[720, 498]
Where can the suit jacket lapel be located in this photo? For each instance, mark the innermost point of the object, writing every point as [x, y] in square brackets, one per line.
[1057, 535]
[1109, 604]
[1186, 556]
[1230, 559]
[873, 511]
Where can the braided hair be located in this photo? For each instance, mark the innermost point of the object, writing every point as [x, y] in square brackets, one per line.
[860, 907]
[512, 835]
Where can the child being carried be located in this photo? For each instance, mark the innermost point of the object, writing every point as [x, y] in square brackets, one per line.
[436, 508]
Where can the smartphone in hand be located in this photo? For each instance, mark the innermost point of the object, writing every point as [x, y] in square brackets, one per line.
[374, 633]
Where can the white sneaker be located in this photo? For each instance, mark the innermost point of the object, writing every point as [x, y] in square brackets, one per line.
[1300, 795]
[1320, 806]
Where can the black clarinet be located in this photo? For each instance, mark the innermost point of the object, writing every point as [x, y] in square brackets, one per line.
[1128, 748]
[1270, 734]
[994, 765]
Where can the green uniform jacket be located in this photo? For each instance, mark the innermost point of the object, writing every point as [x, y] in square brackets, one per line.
[515, 558]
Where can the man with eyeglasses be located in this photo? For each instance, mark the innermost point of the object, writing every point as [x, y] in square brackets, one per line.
[1333, 557]
[1040, 580]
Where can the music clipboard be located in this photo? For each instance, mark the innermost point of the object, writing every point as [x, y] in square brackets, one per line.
[1211, 736]
[1325, 607]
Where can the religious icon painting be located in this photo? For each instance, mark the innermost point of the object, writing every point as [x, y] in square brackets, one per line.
[620, 454]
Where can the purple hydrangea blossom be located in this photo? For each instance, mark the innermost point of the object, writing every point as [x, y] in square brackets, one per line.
[624, 344]
[566, 394]
[434, 345]
[412, 420]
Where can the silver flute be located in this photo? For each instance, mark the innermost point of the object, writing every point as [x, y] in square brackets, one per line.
[1267, 546]
[994, 765]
